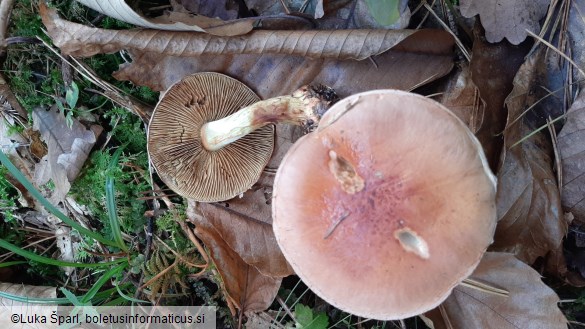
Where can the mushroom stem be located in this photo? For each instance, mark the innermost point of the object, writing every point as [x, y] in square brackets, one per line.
[304, 107]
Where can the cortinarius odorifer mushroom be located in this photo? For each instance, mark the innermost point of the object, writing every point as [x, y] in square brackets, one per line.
[387, 206]
[208, 160]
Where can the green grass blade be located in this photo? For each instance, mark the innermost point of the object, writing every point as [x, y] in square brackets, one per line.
[111, 202]
[537, 131]
[108, 294]
[101, 281]
[120, 301]
[71, 297]
[24, 299]
[131, 299]
[45, 260]
[50, 207]
[16, 262]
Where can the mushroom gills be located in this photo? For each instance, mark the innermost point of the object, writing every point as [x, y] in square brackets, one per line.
[411, 242]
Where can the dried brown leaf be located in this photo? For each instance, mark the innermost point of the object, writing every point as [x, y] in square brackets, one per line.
[571, 144]
[506, 18]
[249, 289]
[220, 8]
[528, 200]
[79, 40]
[422, 58]
[576, 38]
[173, 21]
[462, 98]
[245, 223]
[9, 307]
[493, 67]
[68, 150]
[530, 304]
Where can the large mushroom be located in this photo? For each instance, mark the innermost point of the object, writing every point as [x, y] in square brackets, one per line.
[387, 206]
[210, 136]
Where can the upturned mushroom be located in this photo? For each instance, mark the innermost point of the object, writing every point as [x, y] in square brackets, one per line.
[387, 206]
[210, 136]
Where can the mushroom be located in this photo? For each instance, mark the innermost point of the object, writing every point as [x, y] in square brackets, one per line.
[387, 206]
[210, 136]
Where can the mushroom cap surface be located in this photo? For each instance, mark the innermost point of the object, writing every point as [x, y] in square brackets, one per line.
[395, 244]
[174, 139]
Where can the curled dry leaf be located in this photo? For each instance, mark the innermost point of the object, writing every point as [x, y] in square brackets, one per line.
[174, 21]
[245, 224]
[528, 201]
[423, 57]
[79, 40]
[530, 304]
[9, 307]
[461, 96]
[248, 289]
[576, 38]
[571, 144]
[492, 68]
[507, 18]
[68, 150]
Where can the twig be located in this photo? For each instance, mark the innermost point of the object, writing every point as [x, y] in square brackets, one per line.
[460, 45]
[5, 256]
[445, 317]
[110, 91]
[553, 136]
[177, 255]
[194, 240]
[549, 45]
[156, 277]
[286, 10]
[477, 285]
[286, 308]
[335, 224]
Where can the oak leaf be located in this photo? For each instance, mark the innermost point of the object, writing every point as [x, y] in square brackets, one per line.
[506, 18]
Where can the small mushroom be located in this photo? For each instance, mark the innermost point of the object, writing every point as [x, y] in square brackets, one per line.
[210, 136]
[386, 206]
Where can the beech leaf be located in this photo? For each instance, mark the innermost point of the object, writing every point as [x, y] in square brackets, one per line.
[245, 223]
[422, 58]
[8, 307]
[79, 40]
[530, 304]
[174, 21]
[248, 289]
[572, 150]
[506, 18]
[528, 200]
